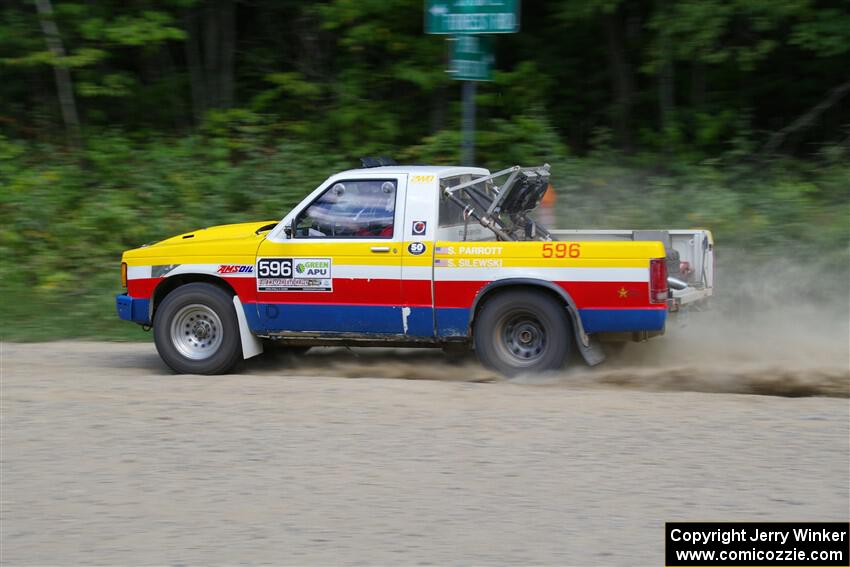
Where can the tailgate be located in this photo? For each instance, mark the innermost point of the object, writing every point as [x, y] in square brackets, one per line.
[695, 249]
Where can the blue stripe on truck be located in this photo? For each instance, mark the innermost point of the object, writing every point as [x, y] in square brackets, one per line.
[305, 317]
[622, 320]
[450, 322]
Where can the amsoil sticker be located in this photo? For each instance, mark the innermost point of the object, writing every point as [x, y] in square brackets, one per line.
[419, 227]
[234, 269]
[294, 274]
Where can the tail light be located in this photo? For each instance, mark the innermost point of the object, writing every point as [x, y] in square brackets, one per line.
[124, 275]
[658, 292]
[713, 264]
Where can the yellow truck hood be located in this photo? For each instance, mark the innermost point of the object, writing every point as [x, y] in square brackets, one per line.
[216, 242]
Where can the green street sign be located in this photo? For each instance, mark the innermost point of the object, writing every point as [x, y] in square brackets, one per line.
[471, 58]
[471, 16]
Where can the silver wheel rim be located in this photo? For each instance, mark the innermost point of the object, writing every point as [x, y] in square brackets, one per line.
[522, 338]
[196, 331]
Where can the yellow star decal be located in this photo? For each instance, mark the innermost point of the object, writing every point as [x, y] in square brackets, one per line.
[623, 292]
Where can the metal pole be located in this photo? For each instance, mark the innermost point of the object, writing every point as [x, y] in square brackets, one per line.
[468, 122]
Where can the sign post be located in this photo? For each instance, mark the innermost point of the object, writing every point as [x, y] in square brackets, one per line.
[471, 54]
[467, 144]
[471, 61]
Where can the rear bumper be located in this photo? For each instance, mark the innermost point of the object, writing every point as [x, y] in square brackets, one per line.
[687, 297]
[133, 309]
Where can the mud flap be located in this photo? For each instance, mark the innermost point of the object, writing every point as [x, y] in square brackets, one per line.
[251, 345]
[593, 353]
[590, 348]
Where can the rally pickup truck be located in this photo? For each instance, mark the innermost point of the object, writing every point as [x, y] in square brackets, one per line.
[413, 256]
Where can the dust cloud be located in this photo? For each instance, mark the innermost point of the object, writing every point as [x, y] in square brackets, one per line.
[797, 351]
[773, 329]
[406, 364]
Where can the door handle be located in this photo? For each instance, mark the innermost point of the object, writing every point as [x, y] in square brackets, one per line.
[380, 249]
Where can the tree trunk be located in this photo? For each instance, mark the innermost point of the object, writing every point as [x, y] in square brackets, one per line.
[227, 24]
[310, 57]
[193, 58]
[698, 85]
[166, 72]
[807, 118]
[622, 83]
[438, 100]
[64, 85]
[210, 51]
[666, 86]
[437, 114]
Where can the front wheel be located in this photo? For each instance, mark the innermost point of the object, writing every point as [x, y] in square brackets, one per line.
[522, 331]
[195, 330]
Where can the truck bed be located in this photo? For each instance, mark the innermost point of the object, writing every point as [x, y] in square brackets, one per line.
[694, 249]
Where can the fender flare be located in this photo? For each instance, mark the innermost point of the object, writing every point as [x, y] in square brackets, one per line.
[590, 349]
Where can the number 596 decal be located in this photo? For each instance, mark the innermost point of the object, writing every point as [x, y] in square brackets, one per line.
[561, 250]
[294, 274]
[275, 268]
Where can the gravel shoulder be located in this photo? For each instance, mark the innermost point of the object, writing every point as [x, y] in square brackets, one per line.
[107, 458]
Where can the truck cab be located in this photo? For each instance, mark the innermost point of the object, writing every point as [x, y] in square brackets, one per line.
[392, 255]
[373, 231]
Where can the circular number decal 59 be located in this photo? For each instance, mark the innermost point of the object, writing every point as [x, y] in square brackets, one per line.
[416, 248]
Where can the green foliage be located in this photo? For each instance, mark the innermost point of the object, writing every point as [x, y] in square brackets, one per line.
[149, 27]
[793, 209]
[80, 58]
[64, 224]
[711, 30]
[114, 85]
[318, 84]
[825, 32]
[64, 221]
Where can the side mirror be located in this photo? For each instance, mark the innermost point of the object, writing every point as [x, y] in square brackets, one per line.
[287, 230]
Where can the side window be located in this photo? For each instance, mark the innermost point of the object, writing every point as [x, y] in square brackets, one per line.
[451, 214]
[357, 208]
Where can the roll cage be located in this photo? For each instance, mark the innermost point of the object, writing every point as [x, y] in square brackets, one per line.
[504, 208]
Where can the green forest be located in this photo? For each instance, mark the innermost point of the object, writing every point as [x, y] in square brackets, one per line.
[125, 122]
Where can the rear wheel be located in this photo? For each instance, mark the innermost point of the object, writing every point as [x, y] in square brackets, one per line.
[522, 331]
[196, 331]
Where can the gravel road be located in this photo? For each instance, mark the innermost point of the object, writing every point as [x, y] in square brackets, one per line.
[333, 459]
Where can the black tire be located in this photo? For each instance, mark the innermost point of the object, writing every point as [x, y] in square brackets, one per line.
[522, 331]
[181, 338]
